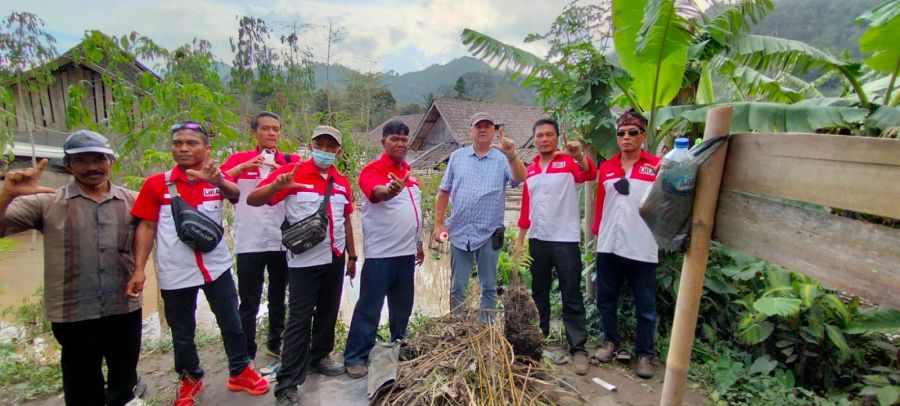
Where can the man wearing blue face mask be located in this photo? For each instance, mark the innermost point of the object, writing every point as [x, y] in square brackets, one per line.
[315, 276]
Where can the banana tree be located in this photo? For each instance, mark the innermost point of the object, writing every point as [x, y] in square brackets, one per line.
[863, 106]
[577, 88]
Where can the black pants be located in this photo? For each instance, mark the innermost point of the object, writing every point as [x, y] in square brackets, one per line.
[612, 270]
[251, 268]
[314, 300]
[565, 257]
[85, 344]
[181, 306]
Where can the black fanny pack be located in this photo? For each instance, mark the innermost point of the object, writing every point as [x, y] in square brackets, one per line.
[194, 228]
[305, 234]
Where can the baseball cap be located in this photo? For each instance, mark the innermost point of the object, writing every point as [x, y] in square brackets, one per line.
[83, 141]
[327, 130]
[481, 116]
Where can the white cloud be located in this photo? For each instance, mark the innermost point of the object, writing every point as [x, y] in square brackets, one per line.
[419, 33]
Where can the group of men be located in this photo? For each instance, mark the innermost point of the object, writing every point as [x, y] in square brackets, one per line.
[98, 238]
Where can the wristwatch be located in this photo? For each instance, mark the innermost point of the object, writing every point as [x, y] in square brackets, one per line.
[352, 257]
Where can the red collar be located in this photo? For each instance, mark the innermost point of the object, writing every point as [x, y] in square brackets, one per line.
[309, 167]
[388, 162]
[645, 157]
[178, 175]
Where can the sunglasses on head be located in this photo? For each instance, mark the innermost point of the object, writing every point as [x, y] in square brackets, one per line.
[631, 133]
[188, 126]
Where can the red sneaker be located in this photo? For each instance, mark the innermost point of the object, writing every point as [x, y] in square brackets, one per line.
[248, 381]
[190, 388]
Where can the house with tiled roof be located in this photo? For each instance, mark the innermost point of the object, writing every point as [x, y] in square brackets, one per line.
[444, 128]
[373, 142]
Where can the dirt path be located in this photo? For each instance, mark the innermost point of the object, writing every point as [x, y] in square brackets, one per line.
[162, 382]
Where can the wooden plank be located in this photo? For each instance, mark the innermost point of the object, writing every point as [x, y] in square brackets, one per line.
[849, 255]
[58, 104]
[845, 172]
[97, 88]
[82, 76]
[36, 118]
[22, 109]
[107, 99]
[64, 84]
[46, 110]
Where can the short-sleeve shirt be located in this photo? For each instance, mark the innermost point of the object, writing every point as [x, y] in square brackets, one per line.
[88, 256]
[256, 229]
[301, 202]
[390, 228]
[180, 266]
[477, 187]
[550, 199]
[617, 222]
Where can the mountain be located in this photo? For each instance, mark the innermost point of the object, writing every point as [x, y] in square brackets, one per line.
[484, 82]
[435, 79]
[824, 24]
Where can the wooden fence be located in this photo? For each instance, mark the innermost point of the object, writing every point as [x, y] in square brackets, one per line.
[745, 200]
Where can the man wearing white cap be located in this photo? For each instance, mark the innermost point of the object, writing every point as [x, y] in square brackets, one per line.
[88, 262]
[475, 182]
[315, 276]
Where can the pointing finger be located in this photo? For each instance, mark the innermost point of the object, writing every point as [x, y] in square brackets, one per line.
[40, 166]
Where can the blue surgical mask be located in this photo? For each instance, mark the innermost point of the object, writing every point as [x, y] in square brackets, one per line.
[323, 159]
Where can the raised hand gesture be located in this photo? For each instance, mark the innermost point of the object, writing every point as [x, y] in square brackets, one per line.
[26, 181]
[209, 173]
[396, 184]
[286, 180]
[506, 145]
[256, 162]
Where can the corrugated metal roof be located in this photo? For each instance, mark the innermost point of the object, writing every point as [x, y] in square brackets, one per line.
[41, 151]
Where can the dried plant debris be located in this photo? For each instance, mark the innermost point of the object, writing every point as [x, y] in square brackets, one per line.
[455, 360]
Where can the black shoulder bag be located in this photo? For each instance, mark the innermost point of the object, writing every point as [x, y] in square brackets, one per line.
[194, 228]
[305, 234]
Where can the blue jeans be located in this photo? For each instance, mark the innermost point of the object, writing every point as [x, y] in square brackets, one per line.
[181, 306]
[611, 271]
[461, 265]
[391, 277]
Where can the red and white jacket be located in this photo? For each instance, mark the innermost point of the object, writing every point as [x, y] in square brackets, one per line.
[618, 224]
[256, 229]
[550, 199]
[301, 202]
[391, 228]
[179, 266]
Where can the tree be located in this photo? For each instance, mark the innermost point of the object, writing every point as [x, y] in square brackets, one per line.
[460, 88]
[336, 34]
[25, 52]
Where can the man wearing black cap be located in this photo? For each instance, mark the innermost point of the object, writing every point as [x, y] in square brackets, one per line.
[88, 262]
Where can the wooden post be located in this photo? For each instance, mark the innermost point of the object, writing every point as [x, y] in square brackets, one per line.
[590, 196]
[709, 177]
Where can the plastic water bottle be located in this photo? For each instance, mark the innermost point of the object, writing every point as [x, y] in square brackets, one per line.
[678, 178]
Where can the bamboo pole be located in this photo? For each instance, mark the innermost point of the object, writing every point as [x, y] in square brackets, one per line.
[590, 195]
[709, 178]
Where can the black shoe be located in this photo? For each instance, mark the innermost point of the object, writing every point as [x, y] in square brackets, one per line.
[287, 397]
[327, 366]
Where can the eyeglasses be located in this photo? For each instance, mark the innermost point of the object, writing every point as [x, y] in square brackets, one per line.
[631, 133]
[188, 125]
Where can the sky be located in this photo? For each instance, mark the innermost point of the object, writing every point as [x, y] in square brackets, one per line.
[402, 36]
